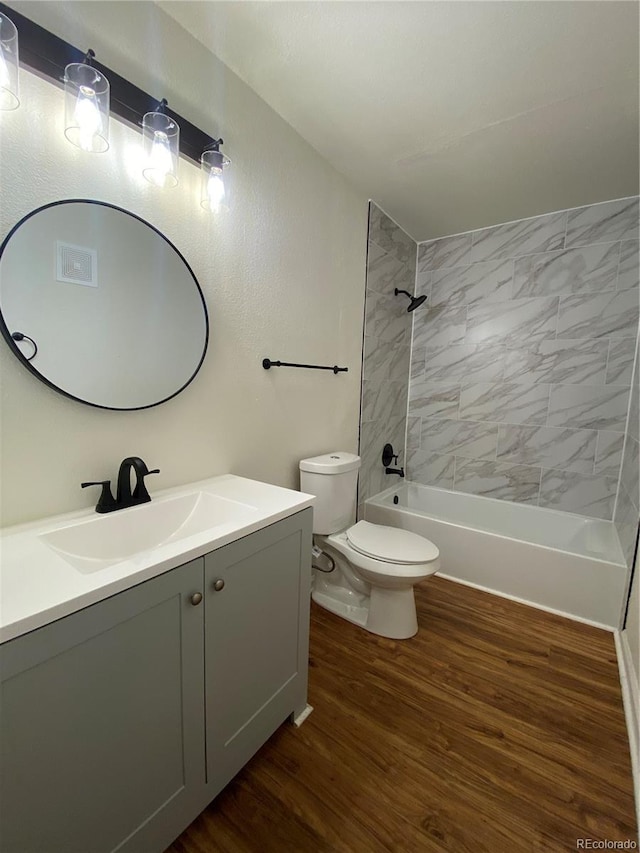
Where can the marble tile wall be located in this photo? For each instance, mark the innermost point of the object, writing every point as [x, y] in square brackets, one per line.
[627, 509]
[391, 263]
[522, 361]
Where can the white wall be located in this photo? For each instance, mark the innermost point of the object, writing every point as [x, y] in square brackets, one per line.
[283, 276]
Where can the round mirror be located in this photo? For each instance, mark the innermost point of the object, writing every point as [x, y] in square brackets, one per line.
[98, 304]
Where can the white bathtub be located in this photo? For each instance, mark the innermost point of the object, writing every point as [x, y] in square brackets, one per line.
[555, 560]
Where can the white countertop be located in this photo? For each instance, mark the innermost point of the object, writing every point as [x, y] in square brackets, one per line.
[39, 585]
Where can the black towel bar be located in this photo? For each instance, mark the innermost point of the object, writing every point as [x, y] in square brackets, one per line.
[267, 363]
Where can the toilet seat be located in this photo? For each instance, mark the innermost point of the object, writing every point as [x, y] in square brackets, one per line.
[391, 545]
[374, 567]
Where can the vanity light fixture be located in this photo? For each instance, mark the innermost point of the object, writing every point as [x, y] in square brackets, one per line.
[9, 84]
[86, 90]
[92, 90]
[214, 192]
[161, 139]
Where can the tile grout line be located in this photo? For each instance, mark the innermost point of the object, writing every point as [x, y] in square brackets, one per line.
[566, 228]
[497, 442]
[635, 376]
[546, 423]
[558, 317]
[539, 496]
[595, 453]
[606, 363]
[411, 353]
[618, 266]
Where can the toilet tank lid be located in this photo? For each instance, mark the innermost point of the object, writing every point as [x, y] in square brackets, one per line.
[390, 544]
[331, 463]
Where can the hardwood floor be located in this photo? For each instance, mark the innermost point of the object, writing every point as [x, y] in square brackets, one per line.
[497, 728]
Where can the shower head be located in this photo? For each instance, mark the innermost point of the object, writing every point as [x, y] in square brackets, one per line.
[415, 301]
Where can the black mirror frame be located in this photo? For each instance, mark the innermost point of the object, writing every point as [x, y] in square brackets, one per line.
[7, 335]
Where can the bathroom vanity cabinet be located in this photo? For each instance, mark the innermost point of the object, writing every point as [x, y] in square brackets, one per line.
[123, 720]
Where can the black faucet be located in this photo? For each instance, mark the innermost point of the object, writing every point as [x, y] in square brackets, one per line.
[124, 496]
[398, 471]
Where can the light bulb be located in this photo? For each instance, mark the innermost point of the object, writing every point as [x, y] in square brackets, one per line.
[87, 117]
[160, 161]
[161, 143]
[215, 189]
[9, 96]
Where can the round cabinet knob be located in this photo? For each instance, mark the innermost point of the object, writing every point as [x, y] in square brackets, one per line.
[218, 585]
[196, 598]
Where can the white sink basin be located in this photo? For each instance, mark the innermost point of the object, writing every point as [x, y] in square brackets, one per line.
[94, 544]
[56, 566]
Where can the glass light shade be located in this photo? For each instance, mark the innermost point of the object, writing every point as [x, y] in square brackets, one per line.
[214, 189]
[9, 84]
[86, 107]
[161, 139]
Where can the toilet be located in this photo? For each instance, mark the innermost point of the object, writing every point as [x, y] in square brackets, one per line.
[374, 567]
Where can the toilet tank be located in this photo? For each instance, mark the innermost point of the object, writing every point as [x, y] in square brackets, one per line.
[333, 479]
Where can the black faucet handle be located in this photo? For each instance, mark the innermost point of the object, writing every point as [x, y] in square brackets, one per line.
[140, 493]
[106, 500]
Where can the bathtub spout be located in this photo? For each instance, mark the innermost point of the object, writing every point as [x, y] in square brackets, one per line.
[398, 471]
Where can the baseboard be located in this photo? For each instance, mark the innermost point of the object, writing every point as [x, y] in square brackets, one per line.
[631, 701]
[535, 604]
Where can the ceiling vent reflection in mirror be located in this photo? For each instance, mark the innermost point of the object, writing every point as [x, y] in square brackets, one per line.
[93, 92]
[76, 264]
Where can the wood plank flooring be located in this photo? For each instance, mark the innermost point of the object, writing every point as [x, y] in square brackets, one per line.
[498, 728]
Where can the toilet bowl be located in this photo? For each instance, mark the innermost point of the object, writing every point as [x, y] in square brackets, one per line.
[389, 562]
[376, 567]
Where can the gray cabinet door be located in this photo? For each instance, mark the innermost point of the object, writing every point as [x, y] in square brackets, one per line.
[256, 641]
[102, 738]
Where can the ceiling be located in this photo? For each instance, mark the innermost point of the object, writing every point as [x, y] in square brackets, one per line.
[450, 115]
